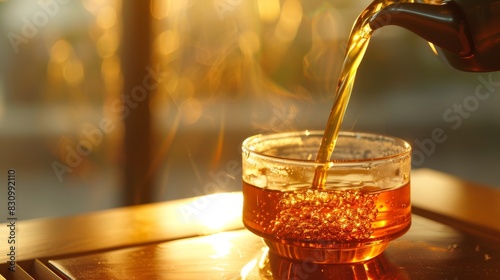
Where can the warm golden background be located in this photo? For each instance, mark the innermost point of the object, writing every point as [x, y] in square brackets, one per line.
[219, 71]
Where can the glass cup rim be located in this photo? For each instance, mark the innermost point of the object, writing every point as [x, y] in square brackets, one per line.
[247, 148]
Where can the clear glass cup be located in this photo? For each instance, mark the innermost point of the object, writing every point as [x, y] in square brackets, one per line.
[364, 204]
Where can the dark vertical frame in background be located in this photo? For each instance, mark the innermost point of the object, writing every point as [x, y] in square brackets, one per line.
[136, 56]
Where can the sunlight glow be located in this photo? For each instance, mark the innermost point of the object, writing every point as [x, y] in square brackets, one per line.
[111, 69]
[108, 44]
[250, 269]
[106, 17]
[73, 71]
[60, 51]
[224, 208]
[433, 48]
[167, 42]
[247, 268]
[288, 24]
[221, 244]
[249, 43]
[190, 110]
[269, 10]
[160, 8]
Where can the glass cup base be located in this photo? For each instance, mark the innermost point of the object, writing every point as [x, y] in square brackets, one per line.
[327, 255]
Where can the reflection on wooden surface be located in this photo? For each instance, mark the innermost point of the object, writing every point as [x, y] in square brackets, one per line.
[218, 256]
[380, 267]
[429, 250]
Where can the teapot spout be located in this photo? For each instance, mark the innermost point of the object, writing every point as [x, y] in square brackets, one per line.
[443, 25]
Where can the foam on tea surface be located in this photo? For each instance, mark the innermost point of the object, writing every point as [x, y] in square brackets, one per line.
[325, 216]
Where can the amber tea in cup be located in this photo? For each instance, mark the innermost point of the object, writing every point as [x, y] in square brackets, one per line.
[364, 203]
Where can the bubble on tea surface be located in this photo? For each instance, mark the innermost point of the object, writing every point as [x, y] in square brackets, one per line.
[325, 216]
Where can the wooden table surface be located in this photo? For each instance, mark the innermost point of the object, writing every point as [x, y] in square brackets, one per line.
[455, 235]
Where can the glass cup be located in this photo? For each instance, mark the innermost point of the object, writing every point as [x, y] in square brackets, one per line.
[364, 204]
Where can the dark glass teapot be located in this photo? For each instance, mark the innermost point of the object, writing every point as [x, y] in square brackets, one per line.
[466, 32]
